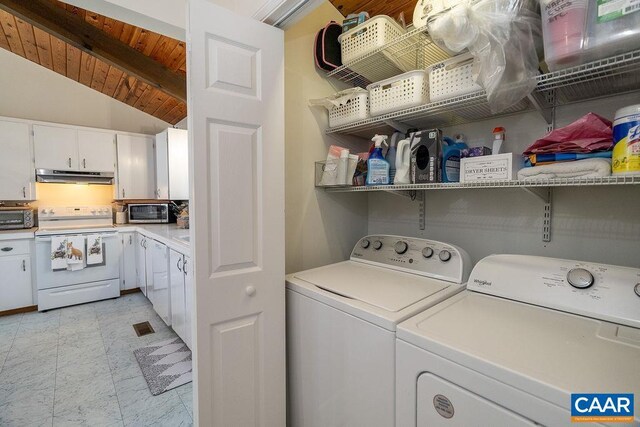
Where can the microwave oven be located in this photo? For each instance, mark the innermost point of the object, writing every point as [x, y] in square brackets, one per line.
[149, 213]
[16, 218]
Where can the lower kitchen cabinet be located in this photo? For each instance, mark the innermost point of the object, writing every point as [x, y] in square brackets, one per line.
[141, 263]
[181, 295]
[158, 280]
[128, 261]
[189, 308]
[15, 271]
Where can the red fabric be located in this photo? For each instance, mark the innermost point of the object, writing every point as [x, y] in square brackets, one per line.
[587, 134]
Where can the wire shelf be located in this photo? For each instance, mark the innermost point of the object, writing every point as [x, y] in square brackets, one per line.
[564, 182]
[414, 50]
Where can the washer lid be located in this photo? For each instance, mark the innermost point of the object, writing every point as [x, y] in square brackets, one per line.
[384, 288]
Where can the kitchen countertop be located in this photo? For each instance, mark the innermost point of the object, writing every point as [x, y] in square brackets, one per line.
[27, 233]
[169, 234]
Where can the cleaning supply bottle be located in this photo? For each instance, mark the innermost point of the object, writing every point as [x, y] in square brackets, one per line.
[451, 155]
[498, 139]
[391, 156]
[377, 166]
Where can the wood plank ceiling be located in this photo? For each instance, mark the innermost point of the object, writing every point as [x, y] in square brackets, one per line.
[38, 46]
[377, 7]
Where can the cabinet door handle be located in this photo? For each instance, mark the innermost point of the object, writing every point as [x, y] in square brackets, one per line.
[6, 249]
[130, 239]
[123, 193]
[178, 264]
[184, 267]
[24, 192]
[84, 163]
[24, 265]
[69, 161]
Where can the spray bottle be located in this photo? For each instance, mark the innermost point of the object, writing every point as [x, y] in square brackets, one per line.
[391, 156]
[498, 139]
[377, 166]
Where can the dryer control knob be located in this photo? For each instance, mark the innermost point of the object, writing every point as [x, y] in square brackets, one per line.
[377, 245]
[444, 255]
[365, 243]
[401, 247]
[427, 252]
[580, 278]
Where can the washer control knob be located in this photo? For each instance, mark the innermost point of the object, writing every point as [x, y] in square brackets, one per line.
[401, 247]
[580, 278]
[637, 289]
[365, 243]
[444, 255]
[377, 245]
[427, 252]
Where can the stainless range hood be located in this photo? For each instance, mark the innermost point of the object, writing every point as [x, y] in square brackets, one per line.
[74, 177]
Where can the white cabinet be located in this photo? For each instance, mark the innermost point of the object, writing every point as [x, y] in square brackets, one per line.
[141, 263]
[15, 270]
[68, 148]
[172, 165]
[136, 171]
[178, 300]
[159, 278]
[55, 147]
[128, 261]
[189, 306]
[96, 151]
[17, 175]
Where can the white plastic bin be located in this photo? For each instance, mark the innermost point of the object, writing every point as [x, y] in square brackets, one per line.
[452, 78]
[397, 93]
[370, 35]
[357, 108]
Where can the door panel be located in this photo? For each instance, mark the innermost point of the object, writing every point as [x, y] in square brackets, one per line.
[16, 170]
[96, 151]
[162, 165]
[141, 263]
[161, 297]
[55, 147]
[15, 286]
[136, 167]
[178, 164]
[236, 165]
[189, 313]
[176, 266]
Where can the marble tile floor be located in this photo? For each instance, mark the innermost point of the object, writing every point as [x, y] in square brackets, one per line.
[75, 366]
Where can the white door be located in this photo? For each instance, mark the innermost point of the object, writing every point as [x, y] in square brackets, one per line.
[161, 297]
[162, 166]
[236, 159]
[189, 309]
[176, 278]
[96, 151]
[55, 147]
[178, 149]
[141, 263]
[16, 168]
[128, 279]
[148, 268]
[136, 171]
[15, 286]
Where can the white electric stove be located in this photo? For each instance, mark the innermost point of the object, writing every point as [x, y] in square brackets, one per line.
[512, 349]
[341, 323]
[61, 285]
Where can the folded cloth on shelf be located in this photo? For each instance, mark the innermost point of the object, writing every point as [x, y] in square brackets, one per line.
[550, 158]
[588, 168]
[587, 134]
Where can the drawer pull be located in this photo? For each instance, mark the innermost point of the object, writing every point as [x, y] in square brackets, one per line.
[6, 249]
[24, 265]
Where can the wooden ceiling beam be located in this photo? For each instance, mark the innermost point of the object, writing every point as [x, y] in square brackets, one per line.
[83, 35]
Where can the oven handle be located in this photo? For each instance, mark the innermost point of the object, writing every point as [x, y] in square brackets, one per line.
[48, 239]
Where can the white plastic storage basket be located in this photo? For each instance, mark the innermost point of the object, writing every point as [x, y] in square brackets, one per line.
[366, 37]
[357, 108]
[404, 91]
[452, 78]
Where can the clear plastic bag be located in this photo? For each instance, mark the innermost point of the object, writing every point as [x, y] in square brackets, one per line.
[504, 37]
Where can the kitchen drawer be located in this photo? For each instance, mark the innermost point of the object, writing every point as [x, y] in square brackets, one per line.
[15, 247]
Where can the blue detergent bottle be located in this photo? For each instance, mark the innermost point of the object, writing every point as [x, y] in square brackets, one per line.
[451, 154]
[377, 166]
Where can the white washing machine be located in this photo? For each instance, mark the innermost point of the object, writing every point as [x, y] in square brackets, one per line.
[341, 323]
[512, 348]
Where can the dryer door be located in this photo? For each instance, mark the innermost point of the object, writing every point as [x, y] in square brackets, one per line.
[441, 403]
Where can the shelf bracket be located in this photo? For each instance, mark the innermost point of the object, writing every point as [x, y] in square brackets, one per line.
[402, 128]
[543, 103]
[417, 196]
[546, 195]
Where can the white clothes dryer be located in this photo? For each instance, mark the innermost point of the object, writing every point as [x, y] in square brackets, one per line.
[341, 323]
[512, 349]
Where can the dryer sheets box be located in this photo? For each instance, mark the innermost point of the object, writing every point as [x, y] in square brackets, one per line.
[498, 167]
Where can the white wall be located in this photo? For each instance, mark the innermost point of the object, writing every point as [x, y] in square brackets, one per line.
[321, 228]
[599, 224]
[30, 91]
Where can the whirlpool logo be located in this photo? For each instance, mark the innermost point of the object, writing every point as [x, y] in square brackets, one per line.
[591, 407]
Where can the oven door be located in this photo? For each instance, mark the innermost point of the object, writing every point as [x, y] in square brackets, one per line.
[47, 278]
[152, 213]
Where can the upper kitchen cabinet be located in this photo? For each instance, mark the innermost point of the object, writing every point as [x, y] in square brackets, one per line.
[136, 167]
[56, 148]
[96, 151]
[16, 167]
[70, 149]
[172, 165]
